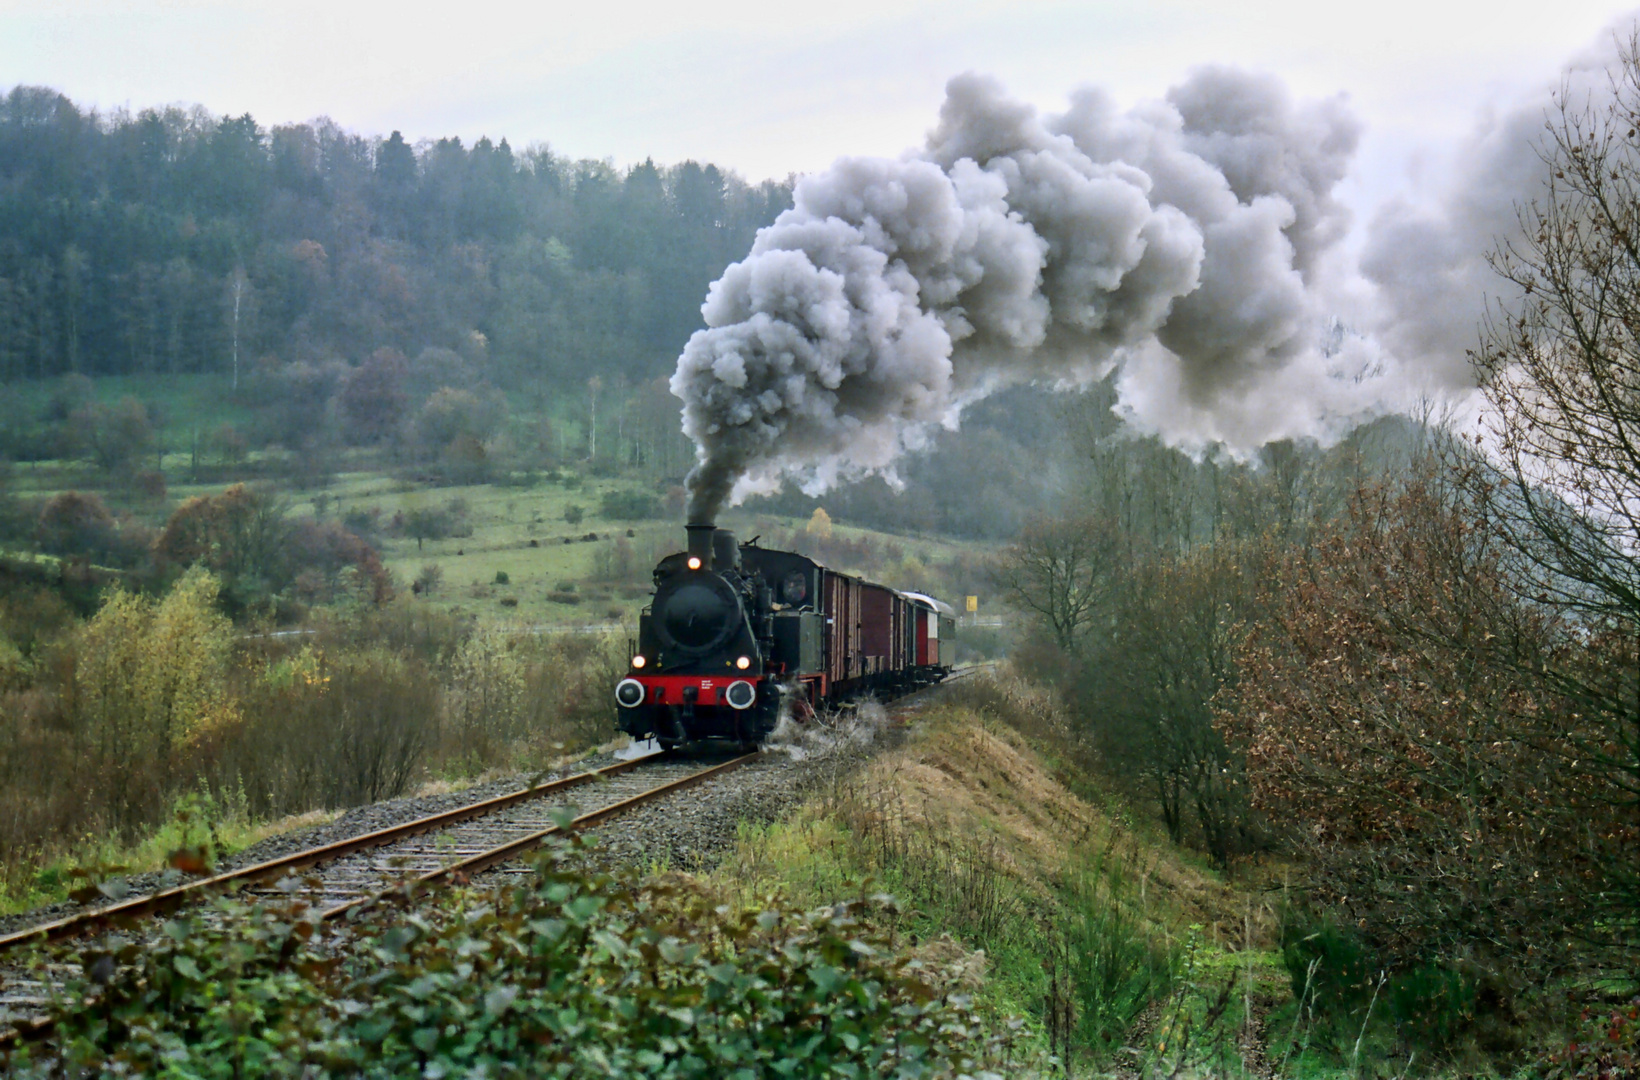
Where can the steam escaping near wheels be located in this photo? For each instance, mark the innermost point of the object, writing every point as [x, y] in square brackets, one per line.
[856, 725]
[1179, 241]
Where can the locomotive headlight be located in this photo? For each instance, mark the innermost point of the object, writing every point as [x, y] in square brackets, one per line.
[694, 562]
[629, 692]
[740, 694]
[638, 660]
[743, 663]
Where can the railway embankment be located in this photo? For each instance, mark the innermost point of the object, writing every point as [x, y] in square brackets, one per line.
[314, 996]
[1119, 953]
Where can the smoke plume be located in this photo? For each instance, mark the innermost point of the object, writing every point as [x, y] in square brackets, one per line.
[1184, 244]
[1428, 263]
[1178, 237]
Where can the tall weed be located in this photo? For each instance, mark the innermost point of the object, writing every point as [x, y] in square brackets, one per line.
[1117, 965]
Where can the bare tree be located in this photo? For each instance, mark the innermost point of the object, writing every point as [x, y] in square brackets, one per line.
[1058, 570]
[239, 285]
[1560, 365]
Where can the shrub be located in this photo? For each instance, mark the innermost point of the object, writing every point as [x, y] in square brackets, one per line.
[428, 578]
[487, 696]
[501, 578]
[15, 670]
[150, 680]
[464, 461]
[379, 715]
[1605, 1046]
[629, 505]
[418, 631]
[564, 597]
[75, 523]
[568, 974]
[451, 414]
[150, 485]
[363, 521]
[115, 436]
[567, 681]
[355, 725]
[615, 562]
[1396, 728]
[34, 617]
[573, 514]
[230, 444]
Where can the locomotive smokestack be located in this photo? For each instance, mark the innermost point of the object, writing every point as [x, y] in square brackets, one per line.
[700, 542]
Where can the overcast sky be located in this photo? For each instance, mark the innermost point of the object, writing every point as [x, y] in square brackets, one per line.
[772, 89]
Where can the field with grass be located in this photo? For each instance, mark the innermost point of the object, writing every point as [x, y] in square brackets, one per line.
[566, 546]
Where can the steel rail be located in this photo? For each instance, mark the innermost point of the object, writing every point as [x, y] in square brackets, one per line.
[512, 849]
[31, 1030]
[174, 897]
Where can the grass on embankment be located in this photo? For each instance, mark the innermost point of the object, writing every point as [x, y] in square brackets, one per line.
[201, 827]
[1063, 913]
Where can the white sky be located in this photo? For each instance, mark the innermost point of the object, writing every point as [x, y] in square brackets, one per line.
[772, 88]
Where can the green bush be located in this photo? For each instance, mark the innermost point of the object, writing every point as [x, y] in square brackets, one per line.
[629, 506]
[1430, 1004]
[568, 975]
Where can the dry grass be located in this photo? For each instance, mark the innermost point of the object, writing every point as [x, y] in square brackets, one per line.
[968, 769]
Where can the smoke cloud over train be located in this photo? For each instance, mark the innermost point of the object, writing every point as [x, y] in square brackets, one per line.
[1190, 245]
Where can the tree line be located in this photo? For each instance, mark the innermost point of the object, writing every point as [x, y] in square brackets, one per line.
[175, 240]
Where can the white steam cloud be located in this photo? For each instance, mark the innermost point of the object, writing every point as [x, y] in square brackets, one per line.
[1186, 244]
[1428, 264]
[1177, 237]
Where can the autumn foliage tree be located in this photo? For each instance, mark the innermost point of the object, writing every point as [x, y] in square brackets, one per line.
[372, 398]
[245, 536]
[1397, 729]
[150, 681]
[78, 524]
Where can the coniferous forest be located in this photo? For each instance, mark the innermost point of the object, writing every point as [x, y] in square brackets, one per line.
[178, 241]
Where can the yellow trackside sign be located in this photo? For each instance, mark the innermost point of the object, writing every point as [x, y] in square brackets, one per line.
[973, 603]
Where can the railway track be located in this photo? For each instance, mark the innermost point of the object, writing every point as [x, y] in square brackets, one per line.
[346, 876]
[350, 874]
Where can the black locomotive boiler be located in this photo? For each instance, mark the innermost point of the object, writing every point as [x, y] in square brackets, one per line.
[736, 632]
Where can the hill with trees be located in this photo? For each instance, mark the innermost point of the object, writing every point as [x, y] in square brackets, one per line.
[175, 240]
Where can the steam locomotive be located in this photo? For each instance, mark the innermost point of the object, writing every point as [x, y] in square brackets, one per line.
[736, 632]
